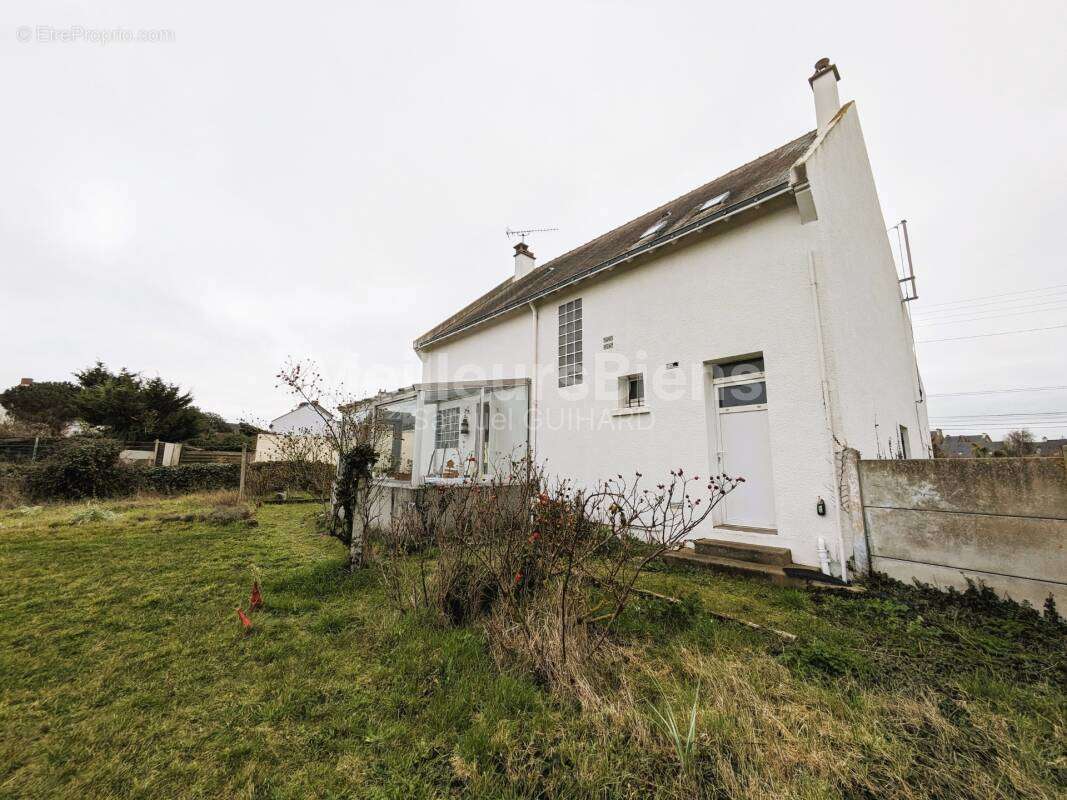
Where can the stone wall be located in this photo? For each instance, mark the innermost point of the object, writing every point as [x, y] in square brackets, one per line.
[1001, 521]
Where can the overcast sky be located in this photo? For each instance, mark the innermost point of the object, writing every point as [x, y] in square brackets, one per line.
[329, 180]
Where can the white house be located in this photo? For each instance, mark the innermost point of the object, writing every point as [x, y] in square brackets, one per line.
[754, 326]
[306, 418]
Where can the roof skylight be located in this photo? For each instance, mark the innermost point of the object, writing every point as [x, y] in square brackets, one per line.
[657, 226]
[717, 200]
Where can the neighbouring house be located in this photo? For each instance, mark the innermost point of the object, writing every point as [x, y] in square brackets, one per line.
[754, 326]
[980, 445]
[1050, 447]
[306, 418]
[964, 446]
[298, 434]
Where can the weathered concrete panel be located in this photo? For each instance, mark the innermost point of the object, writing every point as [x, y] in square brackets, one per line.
[1025, 487]
[1032, 591]
[1012, 546]
[1001, 521]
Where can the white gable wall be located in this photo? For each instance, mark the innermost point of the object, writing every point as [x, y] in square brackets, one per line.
[870, 357]
[302, 419]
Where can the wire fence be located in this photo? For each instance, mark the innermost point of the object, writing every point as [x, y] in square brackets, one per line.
[30, 449]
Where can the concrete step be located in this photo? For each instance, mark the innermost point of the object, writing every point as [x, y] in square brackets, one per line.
[733, 566]
[756, 553]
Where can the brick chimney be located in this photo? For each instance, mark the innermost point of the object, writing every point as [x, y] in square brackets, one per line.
[824, 86]
[524, 260]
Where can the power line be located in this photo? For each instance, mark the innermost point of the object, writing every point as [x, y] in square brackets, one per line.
[958, 313]
[997, 308]
[984, 335]
[1000, 391]
[989, 316]
[953, 426]
[1050, 417]
[983, 306]
[1001, 425]
[991, 296]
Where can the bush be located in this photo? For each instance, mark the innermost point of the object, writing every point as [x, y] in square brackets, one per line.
[91, 469]
[268, 477]
[13, 491]
[88, 468]
[186, 478]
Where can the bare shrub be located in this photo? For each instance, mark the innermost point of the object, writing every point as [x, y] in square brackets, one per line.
[548, 566]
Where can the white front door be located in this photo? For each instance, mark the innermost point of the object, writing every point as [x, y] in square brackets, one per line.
[746, 452]
[738, 407]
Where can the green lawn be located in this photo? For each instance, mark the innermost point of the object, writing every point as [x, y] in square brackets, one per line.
[124, 673]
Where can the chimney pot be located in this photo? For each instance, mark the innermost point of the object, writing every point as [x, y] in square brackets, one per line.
[524, 260]
[824, 86]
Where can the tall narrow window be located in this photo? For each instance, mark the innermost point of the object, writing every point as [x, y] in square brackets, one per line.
[633, 391]
[570, 343]
[905, 447]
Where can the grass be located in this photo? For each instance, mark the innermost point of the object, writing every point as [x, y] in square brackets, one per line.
[124, 673]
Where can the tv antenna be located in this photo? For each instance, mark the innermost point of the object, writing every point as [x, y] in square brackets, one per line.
[521, 235]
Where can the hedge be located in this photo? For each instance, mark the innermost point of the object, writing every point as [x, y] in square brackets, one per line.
[92, 468]
[186, 478]
[267, 477]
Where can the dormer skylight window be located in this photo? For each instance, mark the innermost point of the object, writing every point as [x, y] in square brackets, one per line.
[717, 200]
[657, 226]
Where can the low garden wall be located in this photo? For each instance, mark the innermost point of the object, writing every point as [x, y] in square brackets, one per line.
[1001, 521]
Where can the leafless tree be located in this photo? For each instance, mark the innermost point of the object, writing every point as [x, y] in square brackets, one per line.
[1019, 443]
[348, 437]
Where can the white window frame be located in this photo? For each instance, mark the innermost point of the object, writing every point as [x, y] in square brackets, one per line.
[738, 380]
[437, 438]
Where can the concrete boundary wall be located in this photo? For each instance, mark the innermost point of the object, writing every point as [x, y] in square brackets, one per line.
[1001, 521]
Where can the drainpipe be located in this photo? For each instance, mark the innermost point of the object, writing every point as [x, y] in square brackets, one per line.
[534, 387]
[828, 416]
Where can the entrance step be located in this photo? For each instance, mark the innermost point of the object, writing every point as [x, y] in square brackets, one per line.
[774, 573]
[756, 553]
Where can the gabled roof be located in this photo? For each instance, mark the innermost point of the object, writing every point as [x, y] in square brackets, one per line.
[962, 445]
[745, 184]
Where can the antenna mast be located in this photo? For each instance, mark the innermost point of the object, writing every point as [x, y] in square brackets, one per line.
[522, 234]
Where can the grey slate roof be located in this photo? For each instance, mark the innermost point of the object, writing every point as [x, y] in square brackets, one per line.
[745, 183]
[961, 446]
